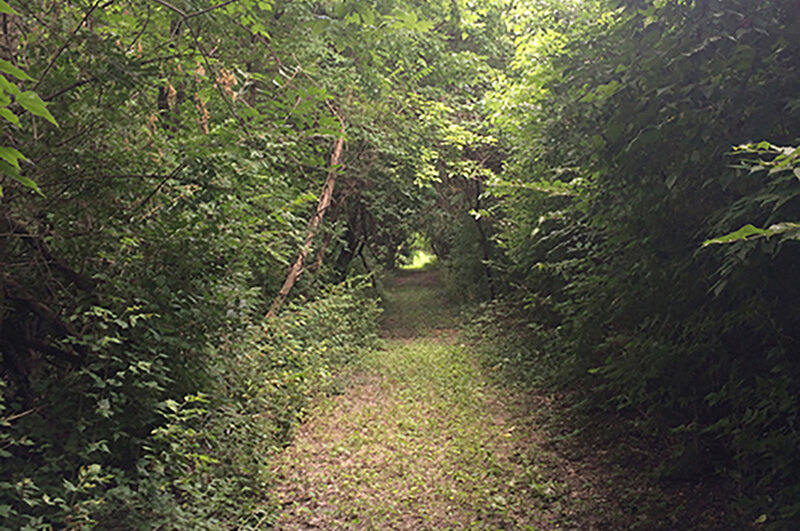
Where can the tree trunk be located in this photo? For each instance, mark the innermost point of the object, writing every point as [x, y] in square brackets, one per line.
[322, 206]
[321, 253]
[484, 242]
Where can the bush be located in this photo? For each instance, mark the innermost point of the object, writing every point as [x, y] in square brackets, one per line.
[201, 461]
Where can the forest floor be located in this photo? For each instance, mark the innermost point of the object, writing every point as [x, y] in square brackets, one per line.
[423, 438]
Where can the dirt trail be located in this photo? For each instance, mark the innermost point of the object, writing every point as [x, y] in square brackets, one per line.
[420, 440]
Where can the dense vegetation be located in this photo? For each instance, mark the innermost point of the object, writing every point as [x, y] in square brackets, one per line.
[164, 163]
[621, 183]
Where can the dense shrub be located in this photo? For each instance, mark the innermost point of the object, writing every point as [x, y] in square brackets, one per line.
[621, 117]
[201, 461]
[159, 165]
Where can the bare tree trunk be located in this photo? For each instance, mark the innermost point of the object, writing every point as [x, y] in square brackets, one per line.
[322, 206]
[10, 37]
[484, 242]
[321, 253]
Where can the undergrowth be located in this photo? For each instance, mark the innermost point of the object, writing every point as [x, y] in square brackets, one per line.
[517, 350]
[203, 462]
[617, 470]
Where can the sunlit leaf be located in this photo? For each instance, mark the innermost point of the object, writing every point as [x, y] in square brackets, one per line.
[743, 233]
[11, 156]
[5, 8]
[10, 116]
[32, 103]
[7, 68]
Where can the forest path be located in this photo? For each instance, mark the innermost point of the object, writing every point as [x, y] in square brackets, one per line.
[420, 439]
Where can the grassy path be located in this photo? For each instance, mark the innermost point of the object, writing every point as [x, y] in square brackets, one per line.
[421, 440]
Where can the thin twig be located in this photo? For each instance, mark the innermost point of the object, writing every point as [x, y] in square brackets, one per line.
[157, 188]
[66, 89]
[228, 103]
[66, 43]
[186, 16]
[12, 418]
[171, 7]
[209, 9]
[264, 41]
[165, 58]
[144, 28]
[92, 79]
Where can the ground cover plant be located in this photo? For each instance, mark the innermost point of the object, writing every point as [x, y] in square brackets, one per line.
[422, 440]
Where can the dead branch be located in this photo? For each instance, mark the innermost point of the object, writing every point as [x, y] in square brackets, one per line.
[14, 291]
[322, 206]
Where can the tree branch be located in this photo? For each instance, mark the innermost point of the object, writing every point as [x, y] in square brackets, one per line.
[209, 9]
[322, 206]
[195, 35]
[67, 43]
[82, 282]
[56, 325]
[160, 185]
[51, 351]
[186, 16]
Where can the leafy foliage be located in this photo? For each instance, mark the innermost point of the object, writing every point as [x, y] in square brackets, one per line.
[570, 156]
[782, 168]
[619, 116]
[138, 386]
[203, 462]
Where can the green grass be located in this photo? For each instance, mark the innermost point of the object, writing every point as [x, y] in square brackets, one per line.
[422, 440]
[415, 307]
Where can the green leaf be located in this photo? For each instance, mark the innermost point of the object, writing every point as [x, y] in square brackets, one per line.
[8, 170]
[32, 103]
[11, 155]
[7, 86]
[318, 27]
[742, 234]
[10, 116]
[607, 90]
[5, 8]
[367, 14]
[25, 181]
[7, 68]
[12, 172]
[788, 229]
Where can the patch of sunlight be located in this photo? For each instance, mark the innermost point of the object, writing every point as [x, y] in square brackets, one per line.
[420, 259]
